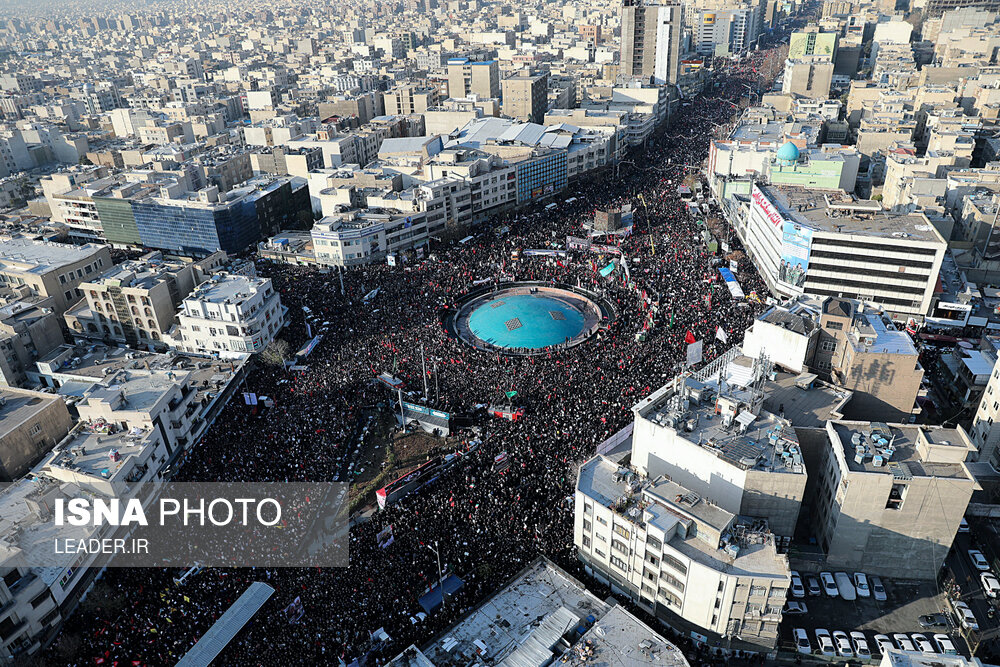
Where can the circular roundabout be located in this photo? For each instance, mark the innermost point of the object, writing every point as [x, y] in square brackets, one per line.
[529, 318]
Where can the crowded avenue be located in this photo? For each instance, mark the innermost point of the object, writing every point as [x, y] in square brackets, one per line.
[487, 524]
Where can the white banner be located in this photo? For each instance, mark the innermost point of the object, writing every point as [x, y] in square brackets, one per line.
[694, 354]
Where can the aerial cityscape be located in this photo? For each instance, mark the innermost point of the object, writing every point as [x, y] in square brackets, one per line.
[471, 333]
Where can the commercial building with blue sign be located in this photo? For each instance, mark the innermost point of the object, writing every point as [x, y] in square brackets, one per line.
[541, 175]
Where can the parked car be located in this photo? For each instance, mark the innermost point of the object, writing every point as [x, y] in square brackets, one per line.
[933, 620]
[944, 644]
[860, 645]
[798, 590]
[883, 643]
[793, 607]
[861, 584]
[965, 615]
[979, 560]
[845, 586]
[812, 585]
[878, 590]
[963, 526]
[903, 642]
[991, 585]
[824, 643]
[843, 643]
[922, 644]
[829, 584]
[802, 644]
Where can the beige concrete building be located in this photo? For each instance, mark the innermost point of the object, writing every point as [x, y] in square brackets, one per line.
[31, 423]
[467, 77]
[860, 350]
[29, 330]
[51, 269]
[410, 99]
[889, 498]
[525, 96]
[809, 78]
[134, 303]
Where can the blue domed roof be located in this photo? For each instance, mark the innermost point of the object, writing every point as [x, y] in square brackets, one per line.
[789, 152]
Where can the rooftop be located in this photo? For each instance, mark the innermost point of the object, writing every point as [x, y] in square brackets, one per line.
[222, 288]
[528, 616]
[720, 408]
[826, 211]
[17, 407]
[20, 254]
[902, 451]
[100, 449]
[622, 640]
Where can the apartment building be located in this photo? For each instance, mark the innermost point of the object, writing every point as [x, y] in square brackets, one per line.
[467, 77]
[133, 303]
[847, 343]
[525, 96]
[229, 316]
[29, 330]
[679, 556]
[31, 423]
[49, 269]
[410, 99]
[889, 498]
[652, 41]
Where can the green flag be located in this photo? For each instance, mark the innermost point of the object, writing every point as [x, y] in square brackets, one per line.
[511, 394]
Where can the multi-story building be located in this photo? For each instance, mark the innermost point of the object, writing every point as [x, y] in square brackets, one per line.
[29, 330]
[889, 498]
[410, 99]
[848, 344]
[525, 96]
[133, 303]
[31, 423]
[467, 77]
[696, 430]
[829, 244]
[51, 269]
[678, 555]
[229, 316]
[651, 43]
[727, 31]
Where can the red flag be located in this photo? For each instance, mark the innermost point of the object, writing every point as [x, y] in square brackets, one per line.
[689, 337]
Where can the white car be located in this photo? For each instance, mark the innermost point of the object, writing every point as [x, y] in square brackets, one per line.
[979, 560]
[922, 644]
[802, 644]
[944, 644]
[965, 615]
[860, 645]
[829, 584]
[991, 585]
[824, 644]
[878, 590]
[798, 590]
[793, 607]
[903, 642]
[843, 643]
[861, 584]
[883, 643]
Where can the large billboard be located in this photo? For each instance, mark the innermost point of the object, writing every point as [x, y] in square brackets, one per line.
[796, 241]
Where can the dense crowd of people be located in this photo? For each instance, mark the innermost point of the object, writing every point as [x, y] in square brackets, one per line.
[487, 525]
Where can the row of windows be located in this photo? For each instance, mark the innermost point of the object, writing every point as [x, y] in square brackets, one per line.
[881, 247]
[815, 253]
[865, 284]
[894, 275]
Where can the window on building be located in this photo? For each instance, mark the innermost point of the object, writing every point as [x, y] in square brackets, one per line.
[675, 563]
[40, 599]
[11, 578]
[35, 430]
[601, 520]
[671, 599]
[654, 543]
[619, 563]
[621, 531]
[835, 326]
[619, 546]
[758, 590]
[587, 526]
[672, 581]
[828, 346]
[586, 541]
[897, 494]
[599, 553]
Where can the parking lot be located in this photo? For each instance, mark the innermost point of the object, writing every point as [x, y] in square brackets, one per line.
[899, 613]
